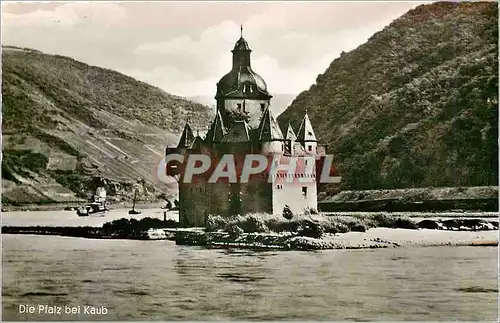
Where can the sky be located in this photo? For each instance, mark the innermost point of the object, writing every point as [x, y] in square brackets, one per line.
[185, 47]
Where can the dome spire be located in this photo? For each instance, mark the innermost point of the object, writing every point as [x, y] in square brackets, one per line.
[241, 31]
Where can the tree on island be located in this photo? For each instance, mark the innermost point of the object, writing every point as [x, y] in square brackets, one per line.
[287, 213]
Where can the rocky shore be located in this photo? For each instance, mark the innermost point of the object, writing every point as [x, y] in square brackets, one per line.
[373, 238]
[317, 232]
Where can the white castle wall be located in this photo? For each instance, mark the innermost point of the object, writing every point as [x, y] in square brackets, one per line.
[291, 194]
[273, 147]
[310, 148]
[288, 189]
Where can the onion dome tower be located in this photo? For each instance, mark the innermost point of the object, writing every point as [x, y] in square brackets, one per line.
[242, 94]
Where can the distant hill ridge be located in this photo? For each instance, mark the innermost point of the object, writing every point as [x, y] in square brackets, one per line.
[416, 105]
[68, 126]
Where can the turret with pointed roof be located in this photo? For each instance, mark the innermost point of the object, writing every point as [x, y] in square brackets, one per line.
[306, 135]
[269, 129]
[306, 132]
[290, 134]
[187, 137]
[217, 129]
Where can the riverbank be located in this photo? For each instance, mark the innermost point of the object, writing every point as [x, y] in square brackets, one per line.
[323, 231]
[305, 232]
[372, 239]
[425, 199]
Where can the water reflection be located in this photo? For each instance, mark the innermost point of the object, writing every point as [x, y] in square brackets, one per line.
[157, 280]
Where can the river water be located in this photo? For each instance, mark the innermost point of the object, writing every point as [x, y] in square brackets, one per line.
[71, 219]
[157, 280]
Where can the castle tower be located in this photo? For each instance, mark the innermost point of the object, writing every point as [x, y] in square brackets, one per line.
[270, 135]
[187, 137]
[244, 124]
[242, 94]
[306, 136]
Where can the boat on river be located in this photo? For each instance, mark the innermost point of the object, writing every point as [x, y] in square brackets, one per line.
[134, 211]
[97, 206]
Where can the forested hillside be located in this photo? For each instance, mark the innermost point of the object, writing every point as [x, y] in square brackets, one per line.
[416, 105]
[68, 127]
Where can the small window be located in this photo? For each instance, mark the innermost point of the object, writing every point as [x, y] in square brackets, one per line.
[239, 107]
[282, 147]
[310, 147]
[304, 191]
[262, 107]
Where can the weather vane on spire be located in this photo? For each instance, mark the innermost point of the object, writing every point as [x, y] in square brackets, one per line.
[241, 30]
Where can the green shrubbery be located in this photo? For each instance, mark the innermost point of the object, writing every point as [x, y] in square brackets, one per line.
[132, 227]
[313, 225]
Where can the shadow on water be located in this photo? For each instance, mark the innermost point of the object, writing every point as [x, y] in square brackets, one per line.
[355, 319]
[43, 294]
[398, 258]
[131, 292]
[240, 278]
[477, 289]
[248, 253]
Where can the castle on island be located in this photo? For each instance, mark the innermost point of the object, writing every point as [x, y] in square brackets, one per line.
[244, 124]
